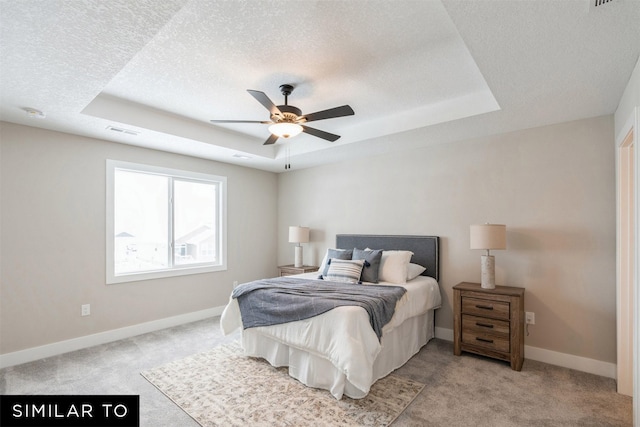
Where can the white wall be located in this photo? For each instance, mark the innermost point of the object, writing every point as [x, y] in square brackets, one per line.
[52, 258]
[554, 188]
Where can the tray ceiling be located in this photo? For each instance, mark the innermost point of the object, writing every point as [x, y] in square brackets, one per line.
[415, 72]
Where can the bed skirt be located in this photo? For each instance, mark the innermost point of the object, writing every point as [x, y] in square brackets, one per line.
[313, 370]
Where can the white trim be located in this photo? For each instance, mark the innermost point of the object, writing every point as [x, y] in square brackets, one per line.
[444, 334]
[551, 357]
[636, 273]
[579, 363]
[571, 361]
[54, 349]
[625, 248]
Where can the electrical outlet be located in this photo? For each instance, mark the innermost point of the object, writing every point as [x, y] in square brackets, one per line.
[85, 309]
[530, 318]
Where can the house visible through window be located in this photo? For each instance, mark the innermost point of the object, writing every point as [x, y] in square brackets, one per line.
[163, 222]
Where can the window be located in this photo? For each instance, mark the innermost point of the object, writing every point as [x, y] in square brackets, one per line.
[163, 222]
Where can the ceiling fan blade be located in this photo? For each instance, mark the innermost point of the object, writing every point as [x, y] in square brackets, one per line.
[271, 140]
[320, 133]
[263, 99]
[331, 113]
[239, 121]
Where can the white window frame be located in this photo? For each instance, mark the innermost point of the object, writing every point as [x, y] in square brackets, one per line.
[180, 270]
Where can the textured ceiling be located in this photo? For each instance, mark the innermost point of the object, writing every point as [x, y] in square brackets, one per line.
[435, 71]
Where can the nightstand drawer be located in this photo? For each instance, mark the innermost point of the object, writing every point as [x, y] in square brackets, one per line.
[487, 341]
[485, 308]
[483, 325]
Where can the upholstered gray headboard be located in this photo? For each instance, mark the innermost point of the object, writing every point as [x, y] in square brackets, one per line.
[426, 250]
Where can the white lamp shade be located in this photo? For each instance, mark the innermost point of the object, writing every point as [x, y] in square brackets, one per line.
[488, 236]
[285, 130]
[298, 234]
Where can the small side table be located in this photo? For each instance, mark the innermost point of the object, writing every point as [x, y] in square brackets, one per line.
[489, 322]
[288, 270]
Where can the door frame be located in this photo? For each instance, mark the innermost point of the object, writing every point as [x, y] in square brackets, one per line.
[625, 250]
[627, 289]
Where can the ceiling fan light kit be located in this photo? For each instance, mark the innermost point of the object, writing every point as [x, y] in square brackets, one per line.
[285, 130]
[287, 120]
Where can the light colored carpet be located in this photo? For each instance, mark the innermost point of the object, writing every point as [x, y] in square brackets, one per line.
[222, 387]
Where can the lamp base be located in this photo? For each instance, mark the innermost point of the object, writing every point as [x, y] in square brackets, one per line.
[488, 265]
[298, 259]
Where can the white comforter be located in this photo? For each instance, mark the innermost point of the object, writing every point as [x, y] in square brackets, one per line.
[343, 335]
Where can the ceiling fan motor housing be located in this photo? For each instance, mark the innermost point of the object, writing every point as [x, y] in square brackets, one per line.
[290, 114]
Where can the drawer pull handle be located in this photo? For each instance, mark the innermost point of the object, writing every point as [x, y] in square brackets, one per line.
[484, 340]
[484, 325]
[485, 307]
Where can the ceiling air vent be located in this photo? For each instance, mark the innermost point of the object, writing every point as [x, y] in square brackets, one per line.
[122, 130]
[598, 4]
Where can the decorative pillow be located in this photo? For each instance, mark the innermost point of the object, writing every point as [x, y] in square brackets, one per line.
[372, 264]
[333, 254]
[341, 270]
[394, 266]
[414, 270]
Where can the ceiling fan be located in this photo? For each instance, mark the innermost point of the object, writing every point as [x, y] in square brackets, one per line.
[288, 121]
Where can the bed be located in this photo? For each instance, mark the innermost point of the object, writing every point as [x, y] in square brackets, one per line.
[339, 350]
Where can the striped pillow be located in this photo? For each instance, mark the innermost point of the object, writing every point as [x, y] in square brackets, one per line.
[341, 270]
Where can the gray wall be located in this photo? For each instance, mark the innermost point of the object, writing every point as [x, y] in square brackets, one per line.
[554, 188]
[52, 220]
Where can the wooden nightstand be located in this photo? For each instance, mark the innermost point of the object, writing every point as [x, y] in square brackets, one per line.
[489, 322]
[288, 270]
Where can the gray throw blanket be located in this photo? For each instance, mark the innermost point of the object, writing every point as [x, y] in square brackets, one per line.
[287, 299]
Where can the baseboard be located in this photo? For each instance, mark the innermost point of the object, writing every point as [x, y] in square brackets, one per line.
[571, 361]
[444, 334]
[54, 349]
[591, 366]
[584, 364]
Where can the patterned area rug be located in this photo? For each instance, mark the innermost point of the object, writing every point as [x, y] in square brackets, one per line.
[222, 387]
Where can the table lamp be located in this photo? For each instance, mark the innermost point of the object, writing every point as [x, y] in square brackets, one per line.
[298, 235]
[487, 237]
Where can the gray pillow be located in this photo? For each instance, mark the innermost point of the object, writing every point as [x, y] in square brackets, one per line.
[336, 254]
[372, 265]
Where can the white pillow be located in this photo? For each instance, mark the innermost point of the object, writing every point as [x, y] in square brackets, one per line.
[414, 271]
[394, 266]
[341, 270]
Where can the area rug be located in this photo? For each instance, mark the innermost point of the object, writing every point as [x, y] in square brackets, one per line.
[222, 387]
